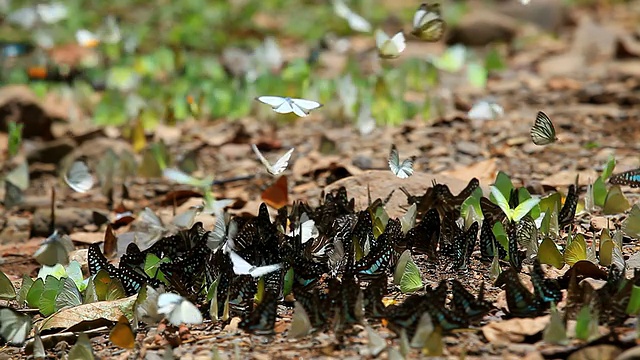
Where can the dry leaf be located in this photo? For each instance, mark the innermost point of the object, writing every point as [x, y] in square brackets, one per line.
[514, 330]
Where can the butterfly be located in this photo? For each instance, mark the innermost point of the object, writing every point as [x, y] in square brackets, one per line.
[515, 259]
[262, 319]
[54, 250]
[277, 195]
[242, 267]
[402, 170]
[630, 178]
[489, 246]
[87, 39]
[300, 322]
[542, 131]
[181, 177]
[427, 23]
[78, 177]
[513, 214]
[464, 302]
[423, 238]
[356, 22]
[131, 280]
[121, 334]
[279, 167]
[547, 290]
[14, 326]
[568, 211]
[285, 105]
[178, 310]
[389, 48]
[520, 301]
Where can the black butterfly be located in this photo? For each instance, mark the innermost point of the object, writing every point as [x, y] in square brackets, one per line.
[520, 301]
[379, 258]
[317, 307]
[440, 197]
[470, 241]
[133, 256]
[515, 258]
[424, 237]
[345, 298]
[132, 281]
[568, 211]
[263, 318]
[629, 178]
[336, 203]
[241, 293]
[489, 245]
[447, 319]
[546, 290]
[373, 293]
[464, 302]
[491, 211]
[405, 316]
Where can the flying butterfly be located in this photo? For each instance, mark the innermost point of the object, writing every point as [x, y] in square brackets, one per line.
[543, 132]
[280, 165]
[285, 105]
[402, 169]
[629, 178]
[427, 23]
[78, 177]
[178, 310]
[389, 48]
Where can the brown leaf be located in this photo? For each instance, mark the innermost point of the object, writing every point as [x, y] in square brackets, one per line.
[89, 316]
[514, 330]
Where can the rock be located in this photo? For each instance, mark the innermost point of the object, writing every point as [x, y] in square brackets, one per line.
[480, 28]
[66, 220]
[50, 152]
[469, 148]
[18, 103]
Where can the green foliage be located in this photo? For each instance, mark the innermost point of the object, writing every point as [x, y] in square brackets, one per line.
[15, 137]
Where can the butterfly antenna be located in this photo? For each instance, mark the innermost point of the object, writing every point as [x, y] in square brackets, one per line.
[52, 224]
[386, 200]
[368, 194]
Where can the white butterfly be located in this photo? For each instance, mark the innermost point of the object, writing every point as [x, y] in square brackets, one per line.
[78, 177]
[86, 38]
[390, 48]
[178, 310]
[356, 22]
[54, 250]
[242, 267]
[14, 327]
[279, 167]
[285, 105]
[485, 110]
[366, 122]
[402, 170]
[543, 132]
[181, 177]
[307, 229]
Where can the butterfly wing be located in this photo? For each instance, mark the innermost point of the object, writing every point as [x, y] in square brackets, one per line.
[306, 104]
[381, 39]
[287, 107]
[543, 131]
[78, 177]
[240, 265]
[406, 168]
[273, 101]
[399, 42]
[282, 163]
[630, 178]
[262, 159]
[394, 160]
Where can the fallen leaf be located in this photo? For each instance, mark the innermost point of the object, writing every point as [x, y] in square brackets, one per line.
[88, 316]
[514, 330]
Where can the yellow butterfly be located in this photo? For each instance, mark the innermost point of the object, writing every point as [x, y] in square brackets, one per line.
[121, 335]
